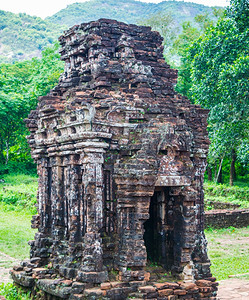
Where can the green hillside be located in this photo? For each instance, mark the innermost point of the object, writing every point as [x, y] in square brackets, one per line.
[183, 11]
[129, 11]
[23, 36]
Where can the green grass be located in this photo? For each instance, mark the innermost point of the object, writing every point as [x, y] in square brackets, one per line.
[15, 232]
[18, 192]
[228, 250]
[19, 179]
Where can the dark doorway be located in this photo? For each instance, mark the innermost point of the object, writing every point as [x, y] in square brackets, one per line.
[159, 230]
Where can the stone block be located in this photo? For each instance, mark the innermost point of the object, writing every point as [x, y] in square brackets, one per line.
[203, 283]
[92, 277]
[51, 287]
[78, 287]
[180, 292]
[22, 279]
[188, 286]
[161, 286]
[105, 286]
[147, 289]
[172, 297]
[76, 297]
[165, 292]
[17, 268]
[172, 285]
[93, 292]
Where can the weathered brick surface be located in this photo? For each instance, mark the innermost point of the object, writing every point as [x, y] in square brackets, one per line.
[226, 218]
[165, 292]
[108, 137]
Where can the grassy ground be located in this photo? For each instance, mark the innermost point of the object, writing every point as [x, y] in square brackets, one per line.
[17, 199]
[228, 251]
[15, 232]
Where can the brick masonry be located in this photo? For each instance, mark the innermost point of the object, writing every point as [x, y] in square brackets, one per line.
[120, 158]
[226, 218]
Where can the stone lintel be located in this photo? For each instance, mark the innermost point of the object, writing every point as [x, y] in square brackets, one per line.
[172, 181]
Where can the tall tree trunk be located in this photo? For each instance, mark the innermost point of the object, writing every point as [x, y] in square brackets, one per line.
[209, 171]
[1, 154]
[219, 179]
[232, 167]
[219, 174]
[7, 153]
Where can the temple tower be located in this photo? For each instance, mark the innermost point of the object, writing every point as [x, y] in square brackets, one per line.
[121, 159]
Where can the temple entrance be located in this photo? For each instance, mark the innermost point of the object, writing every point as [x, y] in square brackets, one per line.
[159, 235]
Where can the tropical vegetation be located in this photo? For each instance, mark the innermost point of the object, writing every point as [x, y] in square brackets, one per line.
[215, 74]
[23, 36]
[21, 83]
[210, 51]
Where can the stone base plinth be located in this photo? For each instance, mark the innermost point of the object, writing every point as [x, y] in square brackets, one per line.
[45, 284]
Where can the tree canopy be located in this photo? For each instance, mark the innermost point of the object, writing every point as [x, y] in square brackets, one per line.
[218, 79]
[21, 84]
[212, 58]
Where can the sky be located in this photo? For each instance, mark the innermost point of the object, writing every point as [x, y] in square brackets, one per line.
[45, 8]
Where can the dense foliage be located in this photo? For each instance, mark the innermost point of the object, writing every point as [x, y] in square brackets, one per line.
[212, 58]
[23, 36]
[215, 74]
[21, 84]
[11, 292]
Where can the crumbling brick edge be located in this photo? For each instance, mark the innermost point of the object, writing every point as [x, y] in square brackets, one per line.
[227, 218]
[37, 281]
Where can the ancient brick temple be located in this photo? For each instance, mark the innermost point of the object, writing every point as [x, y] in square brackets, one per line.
[121, 158]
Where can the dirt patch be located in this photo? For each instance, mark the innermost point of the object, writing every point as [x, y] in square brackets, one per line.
[236, 289]
[232, 241]
[228, 244]
[6, 263]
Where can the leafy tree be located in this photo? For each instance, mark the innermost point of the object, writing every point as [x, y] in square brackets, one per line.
[13, 80]
[12, 110]
[190, 32]
[219, 69]
[21, 84]
[239, 11]
[180, 48]
[44, 75]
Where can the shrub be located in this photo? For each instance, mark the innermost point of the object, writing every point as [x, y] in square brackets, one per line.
[28, 168]
[18, 192]
[11, 292]
[225, 193]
